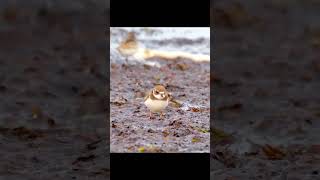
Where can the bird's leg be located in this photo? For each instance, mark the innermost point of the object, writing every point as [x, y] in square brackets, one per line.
[161, 115]
[151, 115]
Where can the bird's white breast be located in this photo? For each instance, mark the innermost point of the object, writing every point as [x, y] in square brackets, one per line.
[156, 105]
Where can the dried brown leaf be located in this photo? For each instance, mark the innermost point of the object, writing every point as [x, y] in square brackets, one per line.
[182, 66]
[273, 153]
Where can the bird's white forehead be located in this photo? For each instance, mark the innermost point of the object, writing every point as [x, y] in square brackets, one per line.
[162, 92]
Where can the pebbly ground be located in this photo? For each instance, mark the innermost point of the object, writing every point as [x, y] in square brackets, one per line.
[182, 129]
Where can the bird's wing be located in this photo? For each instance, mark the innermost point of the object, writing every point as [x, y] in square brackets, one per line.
[174, 101]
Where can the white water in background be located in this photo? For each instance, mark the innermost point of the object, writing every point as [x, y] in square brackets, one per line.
[192, 40]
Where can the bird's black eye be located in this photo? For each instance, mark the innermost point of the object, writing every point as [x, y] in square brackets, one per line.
[156, 92]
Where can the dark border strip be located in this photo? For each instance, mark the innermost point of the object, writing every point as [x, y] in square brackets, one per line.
[155, 165]
[164, 13]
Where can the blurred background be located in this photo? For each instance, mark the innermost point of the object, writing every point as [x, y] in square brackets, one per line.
[266, 84]
[191, 40]
[53, 75]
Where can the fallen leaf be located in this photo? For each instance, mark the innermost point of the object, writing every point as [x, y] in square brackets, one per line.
[194, 140]
[165, 133]
[131, 148]
[273, 153]
[182, 66]
[202, 130]
[221, 137]
[219, 133]
[194, 109]
[141, 149]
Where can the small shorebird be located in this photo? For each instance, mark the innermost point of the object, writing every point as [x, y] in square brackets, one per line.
[129, 46]
[157, 100]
